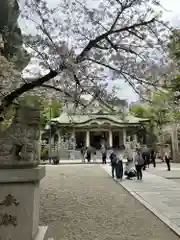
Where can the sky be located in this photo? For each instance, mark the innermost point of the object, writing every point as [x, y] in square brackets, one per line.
[172, 14]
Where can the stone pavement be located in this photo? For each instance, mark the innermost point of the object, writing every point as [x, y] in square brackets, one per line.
[82, 202]
[161, 196]
[79, 161]
[76, 161]
[161, 170]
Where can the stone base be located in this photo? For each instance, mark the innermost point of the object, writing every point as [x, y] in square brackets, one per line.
[19, 204]
[41, 233]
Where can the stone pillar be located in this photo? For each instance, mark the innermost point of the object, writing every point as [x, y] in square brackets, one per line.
[120, 143]
[135, 138]
[124, 136]
[59, 145]
[110, 138]
[73, 134]
[59, 138]
[19, 204]
[39, 145]
[174, 140]
[20, 178]
[87, 138]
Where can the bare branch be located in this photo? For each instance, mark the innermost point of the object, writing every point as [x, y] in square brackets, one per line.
[93, 42]
[8, 100]
[123, 8]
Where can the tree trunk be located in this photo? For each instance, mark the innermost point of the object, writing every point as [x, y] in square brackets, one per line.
[174, 141]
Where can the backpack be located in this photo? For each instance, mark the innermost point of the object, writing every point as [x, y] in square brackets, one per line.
[139, 160]
[113, 158]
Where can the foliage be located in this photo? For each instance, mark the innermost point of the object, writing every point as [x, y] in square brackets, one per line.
[140, 111]
[174, 86]
[159, 108]
[44, 153]
[174, 45]
[8, 76]
[7, 120]
[45, 107]
[174, 51]
[157, 111]
[85, 45]
[51, 110]
[48, 109]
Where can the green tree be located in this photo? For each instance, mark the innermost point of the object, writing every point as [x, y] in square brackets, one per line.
[174, 53]
[140, 111]
[144, 112]
[157, 111]
[159, 108]
[48, 110]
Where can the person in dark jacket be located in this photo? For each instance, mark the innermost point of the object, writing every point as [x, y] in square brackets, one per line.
[153, 157]
[113, 159]
[83, 150]
[146, 156]
[167, 158]
[104, 154]
[88, 154]
[139, 163]
[119, 168]
[94, 155]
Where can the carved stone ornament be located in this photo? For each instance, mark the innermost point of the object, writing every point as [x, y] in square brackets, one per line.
[19, 143]
[5, 218]
[9, 201]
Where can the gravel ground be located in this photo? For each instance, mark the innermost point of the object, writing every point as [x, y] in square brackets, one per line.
[83, 202]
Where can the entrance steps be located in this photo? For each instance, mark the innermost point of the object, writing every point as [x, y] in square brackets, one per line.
[76, 154]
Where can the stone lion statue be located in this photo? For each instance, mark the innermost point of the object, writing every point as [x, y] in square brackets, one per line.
[19, 144]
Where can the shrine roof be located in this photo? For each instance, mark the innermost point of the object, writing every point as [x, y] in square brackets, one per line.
[97, 112]
[67, 119]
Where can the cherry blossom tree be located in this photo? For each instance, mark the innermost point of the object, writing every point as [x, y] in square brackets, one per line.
[80, 45]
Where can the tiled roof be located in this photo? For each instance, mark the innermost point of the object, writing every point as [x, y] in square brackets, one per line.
[66, 118]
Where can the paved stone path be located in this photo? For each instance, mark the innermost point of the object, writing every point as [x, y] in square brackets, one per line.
[83, 202]
[161, 170]
[79, 161]
[159, 195]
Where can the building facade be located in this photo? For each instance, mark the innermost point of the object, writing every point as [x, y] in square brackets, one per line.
[99, 125]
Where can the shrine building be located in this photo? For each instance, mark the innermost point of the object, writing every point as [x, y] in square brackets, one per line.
[100, 125]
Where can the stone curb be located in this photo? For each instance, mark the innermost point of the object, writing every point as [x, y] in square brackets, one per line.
[77, 163]
[157, 213]
[41, 233]
[172, 178]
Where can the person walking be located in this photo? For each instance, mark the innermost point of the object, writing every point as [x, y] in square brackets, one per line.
[153, 157]
[83, 150]
[113, 159]
[94, 155]
[104, 154]
[88, 154]
[167, 158]
[119, 168]
[139, 163]
[146, 156]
